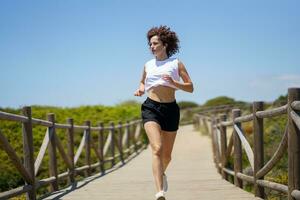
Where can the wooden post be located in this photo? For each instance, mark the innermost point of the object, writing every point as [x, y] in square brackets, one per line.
[101, 146]
[52, 153]
[128, 137]
[237, 150]
[217, 145]
[120, 142]
[213, 139]
[206, 129]
[88, 148]
[258, 129]
[133, 137]
[293, 145]
[70, 133]
[223, 118]
[112, 144]
[28, 150]
[199, 121]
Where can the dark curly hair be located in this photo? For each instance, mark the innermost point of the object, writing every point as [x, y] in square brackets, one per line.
[167, 37]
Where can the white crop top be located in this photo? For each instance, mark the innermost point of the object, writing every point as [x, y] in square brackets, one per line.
[155, 70]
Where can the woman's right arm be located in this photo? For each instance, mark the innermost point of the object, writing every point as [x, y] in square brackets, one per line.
[141, 90]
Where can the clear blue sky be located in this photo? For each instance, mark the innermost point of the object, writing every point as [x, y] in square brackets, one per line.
[71, 53]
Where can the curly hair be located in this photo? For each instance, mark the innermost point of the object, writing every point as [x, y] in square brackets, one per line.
[167, 37]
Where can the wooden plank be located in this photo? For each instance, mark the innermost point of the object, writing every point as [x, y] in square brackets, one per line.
[296, 118]
[245, 118]
[14, 158]
[296, 105]
[296, 194]
[42, 152]
[41, 122]
[107, 144]
[246, 145]
[245, 177]
[13, 117]
[62, 152]
[274, 186]
[15, 192]
[272, 112]
[80, 148]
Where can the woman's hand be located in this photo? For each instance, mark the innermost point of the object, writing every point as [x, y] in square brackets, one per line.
[139, 92]
[168, 78]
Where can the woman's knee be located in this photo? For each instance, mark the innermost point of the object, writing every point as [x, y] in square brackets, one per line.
[156, 149]
[167, 158]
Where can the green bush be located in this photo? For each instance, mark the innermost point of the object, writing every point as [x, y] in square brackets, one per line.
[187, 104]
[222, 100]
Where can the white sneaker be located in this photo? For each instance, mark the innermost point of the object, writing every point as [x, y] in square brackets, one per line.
[160, 195]
[165, 183]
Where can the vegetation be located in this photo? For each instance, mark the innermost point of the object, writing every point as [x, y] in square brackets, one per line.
[187, 104]
[222, 100]
[9, 176]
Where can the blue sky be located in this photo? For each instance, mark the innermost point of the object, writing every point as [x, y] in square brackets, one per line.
[71, 53]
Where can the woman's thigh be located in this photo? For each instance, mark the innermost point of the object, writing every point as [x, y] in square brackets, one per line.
[153, 132]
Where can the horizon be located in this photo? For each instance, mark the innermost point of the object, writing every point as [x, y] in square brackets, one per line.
[134, 101]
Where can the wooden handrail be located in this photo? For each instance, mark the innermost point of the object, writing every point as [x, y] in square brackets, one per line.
[126, 141]
[246, 145]
[290, 142]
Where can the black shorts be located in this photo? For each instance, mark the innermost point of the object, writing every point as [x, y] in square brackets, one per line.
[165, 114]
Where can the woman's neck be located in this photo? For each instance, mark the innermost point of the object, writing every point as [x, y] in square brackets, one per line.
[161, 57]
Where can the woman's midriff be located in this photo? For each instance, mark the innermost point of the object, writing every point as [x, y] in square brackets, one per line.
[162, 94]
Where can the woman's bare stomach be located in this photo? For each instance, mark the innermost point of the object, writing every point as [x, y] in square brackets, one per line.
[162, 94]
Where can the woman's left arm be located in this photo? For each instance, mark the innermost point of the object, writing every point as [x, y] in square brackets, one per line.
[187, 84]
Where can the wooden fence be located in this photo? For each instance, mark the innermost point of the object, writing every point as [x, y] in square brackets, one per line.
[125, 138]
[223, 149]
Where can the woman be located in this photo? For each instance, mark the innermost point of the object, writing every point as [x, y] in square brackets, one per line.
[160, 112]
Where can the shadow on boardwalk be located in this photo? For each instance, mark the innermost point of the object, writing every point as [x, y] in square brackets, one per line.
[191, 174]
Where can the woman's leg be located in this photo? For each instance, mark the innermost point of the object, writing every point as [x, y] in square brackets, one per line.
[153, 132]
[168, 143]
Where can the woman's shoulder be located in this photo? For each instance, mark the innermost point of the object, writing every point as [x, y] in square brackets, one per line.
[150, 62]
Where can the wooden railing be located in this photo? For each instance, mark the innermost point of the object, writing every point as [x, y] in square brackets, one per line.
[223, 149]
[125, 138]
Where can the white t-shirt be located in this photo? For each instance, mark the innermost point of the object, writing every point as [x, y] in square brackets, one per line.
[155, 69]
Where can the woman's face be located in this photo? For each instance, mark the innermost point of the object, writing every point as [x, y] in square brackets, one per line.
[156, 46]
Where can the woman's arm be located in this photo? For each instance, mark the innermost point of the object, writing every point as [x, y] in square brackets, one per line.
[187, 84]
[141, 90]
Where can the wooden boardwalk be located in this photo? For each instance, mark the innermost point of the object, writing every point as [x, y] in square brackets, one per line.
[191, 174]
